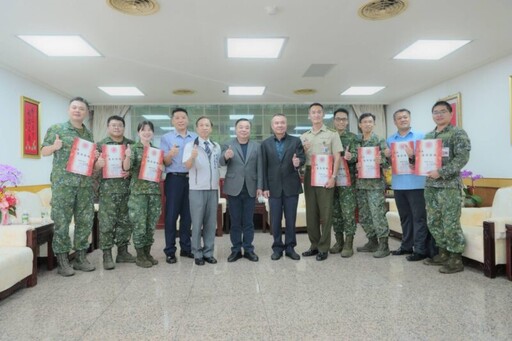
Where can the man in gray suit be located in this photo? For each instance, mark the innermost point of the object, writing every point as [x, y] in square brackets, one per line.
[283, 155]
[243, 182]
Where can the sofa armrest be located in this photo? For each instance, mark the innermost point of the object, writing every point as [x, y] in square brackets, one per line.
[14, 235]
[474, 216]
[499, 226]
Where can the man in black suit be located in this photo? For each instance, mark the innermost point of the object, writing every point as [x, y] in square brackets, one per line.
[282, 156]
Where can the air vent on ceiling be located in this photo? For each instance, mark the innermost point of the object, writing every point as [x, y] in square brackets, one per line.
[183, 92]
[318, 70]
[382, 9]
[304, 91]
[135, 7]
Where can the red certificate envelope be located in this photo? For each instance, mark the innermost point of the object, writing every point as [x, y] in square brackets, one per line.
[321, 169]
[114, 156]
[428, 156]
[343, 176]
[81, 158]
[399, 158]
[368, 166]
[150, 169]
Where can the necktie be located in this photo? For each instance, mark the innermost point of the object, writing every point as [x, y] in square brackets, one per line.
[207, 148]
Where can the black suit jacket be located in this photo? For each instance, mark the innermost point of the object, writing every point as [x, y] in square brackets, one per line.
[281, 176]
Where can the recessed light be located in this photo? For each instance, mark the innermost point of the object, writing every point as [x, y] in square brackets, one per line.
[166, 128]
[255, 47]
[362, 90]
[237, 117]
[431, 49]
[156, 117]
[121, 90]
[61, 46]
[246, 90]
[302, 128]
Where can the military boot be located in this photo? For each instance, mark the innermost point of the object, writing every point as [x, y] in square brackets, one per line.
[123, 256]
[336, 248]
[440, 259]
[81, 262]
[348, 251]
[383, 249]
[141, 259]
[108, 262]
[64, 269]
[153, 261]
[371, 246]
[453, 265]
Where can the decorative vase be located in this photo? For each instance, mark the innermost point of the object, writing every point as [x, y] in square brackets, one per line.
[6, 218]
[471, 190]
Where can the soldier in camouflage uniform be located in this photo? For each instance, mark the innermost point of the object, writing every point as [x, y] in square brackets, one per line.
[144, 204]
[370, 195]
[115, 226]
[72, 194]
[344, 204]
[443, 191]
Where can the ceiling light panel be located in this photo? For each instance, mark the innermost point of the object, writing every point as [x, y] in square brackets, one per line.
[246, 90]
[237, 117]
[60, 46]
[158, 117]
[431, 49]
[362, 90]
[121, 90]
[255, 47]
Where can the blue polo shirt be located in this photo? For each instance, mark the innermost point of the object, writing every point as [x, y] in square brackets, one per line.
[168, 141]
[406, 181]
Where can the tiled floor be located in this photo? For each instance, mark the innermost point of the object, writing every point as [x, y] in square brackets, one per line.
[360, 298]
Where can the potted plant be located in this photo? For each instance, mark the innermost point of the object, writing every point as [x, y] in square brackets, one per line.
[470, 198]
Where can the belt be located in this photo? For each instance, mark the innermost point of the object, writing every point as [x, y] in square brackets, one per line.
[185, 175]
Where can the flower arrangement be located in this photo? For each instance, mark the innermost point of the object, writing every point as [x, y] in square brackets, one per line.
[471, 199]
[8, 202]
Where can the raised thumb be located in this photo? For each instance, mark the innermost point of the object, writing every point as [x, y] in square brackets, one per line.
[294, 156]
[57, 137]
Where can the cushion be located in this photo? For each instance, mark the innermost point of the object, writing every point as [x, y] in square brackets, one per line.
[15, 265]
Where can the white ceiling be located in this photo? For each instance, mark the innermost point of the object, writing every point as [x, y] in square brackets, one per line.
[184, 46]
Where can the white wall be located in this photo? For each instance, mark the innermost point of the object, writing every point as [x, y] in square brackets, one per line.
[53, 109]
[486, 115]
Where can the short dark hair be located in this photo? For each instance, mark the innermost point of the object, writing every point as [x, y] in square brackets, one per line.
[201, 117]
[143, 124]
[115, 118]
[340, 110]
[365, 115]
[401, 110]
[178, 110]
[316, 104]
[80, 99]
[243, 120]
[446, 104]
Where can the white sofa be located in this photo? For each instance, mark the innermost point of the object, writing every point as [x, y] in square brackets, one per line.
[18, 266]
[300, 223]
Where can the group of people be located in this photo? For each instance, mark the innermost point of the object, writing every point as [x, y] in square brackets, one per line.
[130, 206]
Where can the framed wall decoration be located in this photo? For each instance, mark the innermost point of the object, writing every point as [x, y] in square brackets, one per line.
[30, 139]
[510, 96]
[456, 103]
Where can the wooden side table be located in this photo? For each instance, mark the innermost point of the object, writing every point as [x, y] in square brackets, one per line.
[44, 234]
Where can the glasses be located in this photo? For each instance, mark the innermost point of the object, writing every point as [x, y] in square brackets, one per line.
[116, 125]
[339, 119]
[440, 112]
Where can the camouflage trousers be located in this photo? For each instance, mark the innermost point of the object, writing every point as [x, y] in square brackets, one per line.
[344, 211]
[443, 217]
[68, 202]
[144, 212]
[115, 226]
[372, 212]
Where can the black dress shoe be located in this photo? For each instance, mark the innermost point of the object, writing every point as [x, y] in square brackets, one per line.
[400, 252]
[187, 254]
[310, 253]
[276, 255]
[199, 261]
[234, 256]
[210, 260]
[250, 255]
[171, 259]
[321, 256]
[415, 257]
[292, 254]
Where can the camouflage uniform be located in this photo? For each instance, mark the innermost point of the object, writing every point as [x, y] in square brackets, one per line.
[344, 204]
[72, 194]
[370, 195]
[115, 226]
[144, 204]
[443, 196]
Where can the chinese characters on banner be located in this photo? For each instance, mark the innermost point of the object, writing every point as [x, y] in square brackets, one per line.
[367, 159]
[150, 169]
[399, 158]
[321, 169]
[114, 156]
[428, 155]
[30, 127]
[81, 158]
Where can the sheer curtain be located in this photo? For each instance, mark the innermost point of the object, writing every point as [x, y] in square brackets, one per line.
[380, 116]
[101, 115]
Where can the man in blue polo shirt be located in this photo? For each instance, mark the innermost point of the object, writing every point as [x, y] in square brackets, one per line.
[176, 186]
[408, 190]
